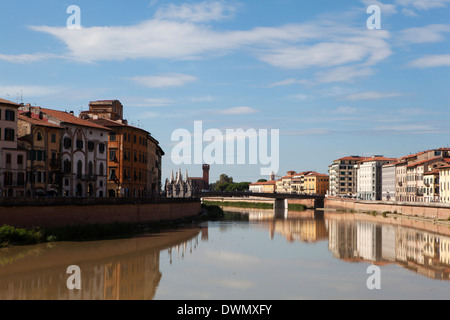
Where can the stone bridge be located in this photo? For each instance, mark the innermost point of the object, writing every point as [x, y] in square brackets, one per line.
[281, 200]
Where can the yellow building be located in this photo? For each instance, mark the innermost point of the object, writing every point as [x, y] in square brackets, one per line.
[263, 187]
[316, 183]
[444, 184]
[41, 139]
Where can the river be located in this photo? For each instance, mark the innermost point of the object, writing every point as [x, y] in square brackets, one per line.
[252, 255]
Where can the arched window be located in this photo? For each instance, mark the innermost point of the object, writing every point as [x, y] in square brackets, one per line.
[102, 168]
[67, 166]
[91, 168]
[79, 169]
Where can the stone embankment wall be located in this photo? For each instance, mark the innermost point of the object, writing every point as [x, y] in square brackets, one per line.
[59, 213]
[424, 210]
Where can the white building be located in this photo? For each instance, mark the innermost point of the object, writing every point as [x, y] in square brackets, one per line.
[84, 153]
[388, 182]
[369, 177]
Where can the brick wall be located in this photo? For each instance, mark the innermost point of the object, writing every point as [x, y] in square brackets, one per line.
[67, 215]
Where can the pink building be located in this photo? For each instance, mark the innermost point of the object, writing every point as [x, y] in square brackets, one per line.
[12, 159]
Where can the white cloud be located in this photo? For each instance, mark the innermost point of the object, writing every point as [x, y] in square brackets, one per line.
[343, 74]
[197, 12]
[286, 82]
[423, 4]
[372, 95]
[295, 46]
[346, 110]
[409, 13]
[26, 58]
[238, 111]
[385, 8]
[427, 34]
[164, 80]
[28, 91]
[431, 61]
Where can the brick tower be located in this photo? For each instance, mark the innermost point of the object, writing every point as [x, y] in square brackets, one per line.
[206, 168]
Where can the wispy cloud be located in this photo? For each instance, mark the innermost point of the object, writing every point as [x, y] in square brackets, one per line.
[293, 46]
[29, 90]
[27, 58]
[371, 95]
[164, 80]
[286, 82]
[197, 12]
[431, 61]
[426, 34]
[423, 4]
[238, 111]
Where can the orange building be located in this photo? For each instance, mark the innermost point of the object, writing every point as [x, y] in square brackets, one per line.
[134, 156]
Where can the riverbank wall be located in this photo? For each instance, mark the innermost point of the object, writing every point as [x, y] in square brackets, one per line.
[436, 211]
[52, 213]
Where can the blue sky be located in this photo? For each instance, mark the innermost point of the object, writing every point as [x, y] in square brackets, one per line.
[311, 69]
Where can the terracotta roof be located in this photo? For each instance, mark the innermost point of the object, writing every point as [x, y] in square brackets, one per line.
[111, 123]
[350, 158]
[369, 159]
[69, 118]
[422, 162]
[435, 171]
[265, 183]
[316, 174]
[39, 122]
[395, 163]
[3, 101]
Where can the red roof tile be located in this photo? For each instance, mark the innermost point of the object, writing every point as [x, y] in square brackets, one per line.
[265, 183]
[3, 101]
[39, 122]
[369, 159]
[422, 162]
[69, 118]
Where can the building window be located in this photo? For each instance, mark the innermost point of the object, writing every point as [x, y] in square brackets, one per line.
[10, 115]
[79, 144]
[112, 136]
[67, 167]
[53, 138]
[20, 179]
[91, 146]
[8, 179]
[8, 158]
[9, 134]
[112, 155]
[79, 169]
[101, 148]
[67, 143]
[20, 159]
[112, 174]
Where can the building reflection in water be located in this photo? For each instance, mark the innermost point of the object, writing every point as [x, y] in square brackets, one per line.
[110, 270]
[358, 240]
